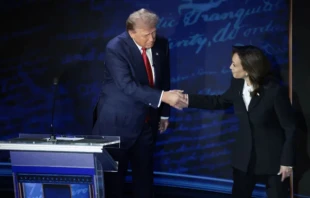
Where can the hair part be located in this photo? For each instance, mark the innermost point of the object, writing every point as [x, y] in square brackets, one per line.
[255, 63]
[141, 17]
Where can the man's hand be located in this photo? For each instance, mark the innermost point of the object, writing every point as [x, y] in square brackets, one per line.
[163, 125]
[285, 171]
[175, 99]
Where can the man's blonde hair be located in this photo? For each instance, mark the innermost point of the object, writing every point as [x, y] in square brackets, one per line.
[142, 16]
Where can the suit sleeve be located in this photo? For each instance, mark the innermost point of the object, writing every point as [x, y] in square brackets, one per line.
[122, 76]
[165, 111]
[212, 102]
[285, 114]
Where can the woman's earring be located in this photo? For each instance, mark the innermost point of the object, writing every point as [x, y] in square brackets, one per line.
[246, 75]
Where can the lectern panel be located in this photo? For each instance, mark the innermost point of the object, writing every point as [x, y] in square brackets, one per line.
[52, 159]
[51, 186]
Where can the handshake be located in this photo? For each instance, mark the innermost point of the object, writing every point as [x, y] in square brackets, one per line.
[176, 99]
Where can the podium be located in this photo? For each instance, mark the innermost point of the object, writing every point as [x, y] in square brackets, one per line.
[60, 166]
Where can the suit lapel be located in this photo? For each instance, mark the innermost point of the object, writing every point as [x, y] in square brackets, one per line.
[156, 62]
[255, 99]
[240, 97]
[136, 58]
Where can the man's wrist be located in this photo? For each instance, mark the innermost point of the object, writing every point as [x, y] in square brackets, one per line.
[164, 97]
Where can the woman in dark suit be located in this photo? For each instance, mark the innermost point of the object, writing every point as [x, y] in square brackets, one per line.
[264, 146]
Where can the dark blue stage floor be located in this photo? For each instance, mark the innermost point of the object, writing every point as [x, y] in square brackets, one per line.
[6, 190]
[172, 192]
[161, 192]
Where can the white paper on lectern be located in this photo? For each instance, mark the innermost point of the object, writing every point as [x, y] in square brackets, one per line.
[66, 138]
[69, 138]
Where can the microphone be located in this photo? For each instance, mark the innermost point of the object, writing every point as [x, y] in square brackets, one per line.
[55, 84]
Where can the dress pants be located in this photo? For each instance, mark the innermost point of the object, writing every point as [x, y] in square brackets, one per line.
[244, 184]
[140, 157]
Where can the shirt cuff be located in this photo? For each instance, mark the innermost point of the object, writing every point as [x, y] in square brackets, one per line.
[288, 166]
[159, 103]
[187, 99]
[164, 118]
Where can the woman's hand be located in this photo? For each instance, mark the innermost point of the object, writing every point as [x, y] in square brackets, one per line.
[285, 171]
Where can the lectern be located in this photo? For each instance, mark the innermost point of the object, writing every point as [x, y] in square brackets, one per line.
[60, 166]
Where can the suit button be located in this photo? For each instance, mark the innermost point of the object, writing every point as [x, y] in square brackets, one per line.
[150, 104]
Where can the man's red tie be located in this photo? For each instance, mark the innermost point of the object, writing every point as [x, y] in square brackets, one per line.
[149, 74]
[148, 67]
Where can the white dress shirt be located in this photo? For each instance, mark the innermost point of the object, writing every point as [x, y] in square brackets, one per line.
[246, 94]
[150, 57]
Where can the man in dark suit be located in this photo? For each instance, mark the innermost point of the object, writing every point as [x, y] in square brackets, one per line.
[134, 102]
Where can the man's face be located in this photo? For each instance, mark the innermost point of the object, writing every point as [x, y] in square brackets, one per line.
[144, 35]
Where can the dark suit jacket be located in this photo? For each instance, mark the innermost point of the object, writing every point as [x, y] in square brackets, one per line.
[267, 129]
[126, 97]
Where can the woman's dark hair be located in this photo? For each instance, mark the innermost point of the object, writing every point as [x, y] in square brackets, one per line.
[255, 63]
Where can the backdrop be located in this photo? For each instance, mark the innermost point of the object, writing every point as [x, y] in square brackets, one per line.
[44, 39]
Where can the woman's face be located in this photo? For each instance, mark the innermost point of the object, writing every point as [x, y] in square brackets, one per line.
[236, 67]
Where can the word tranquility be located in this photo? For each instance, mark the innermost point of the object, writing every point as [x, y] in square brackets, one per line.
[227, 32]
